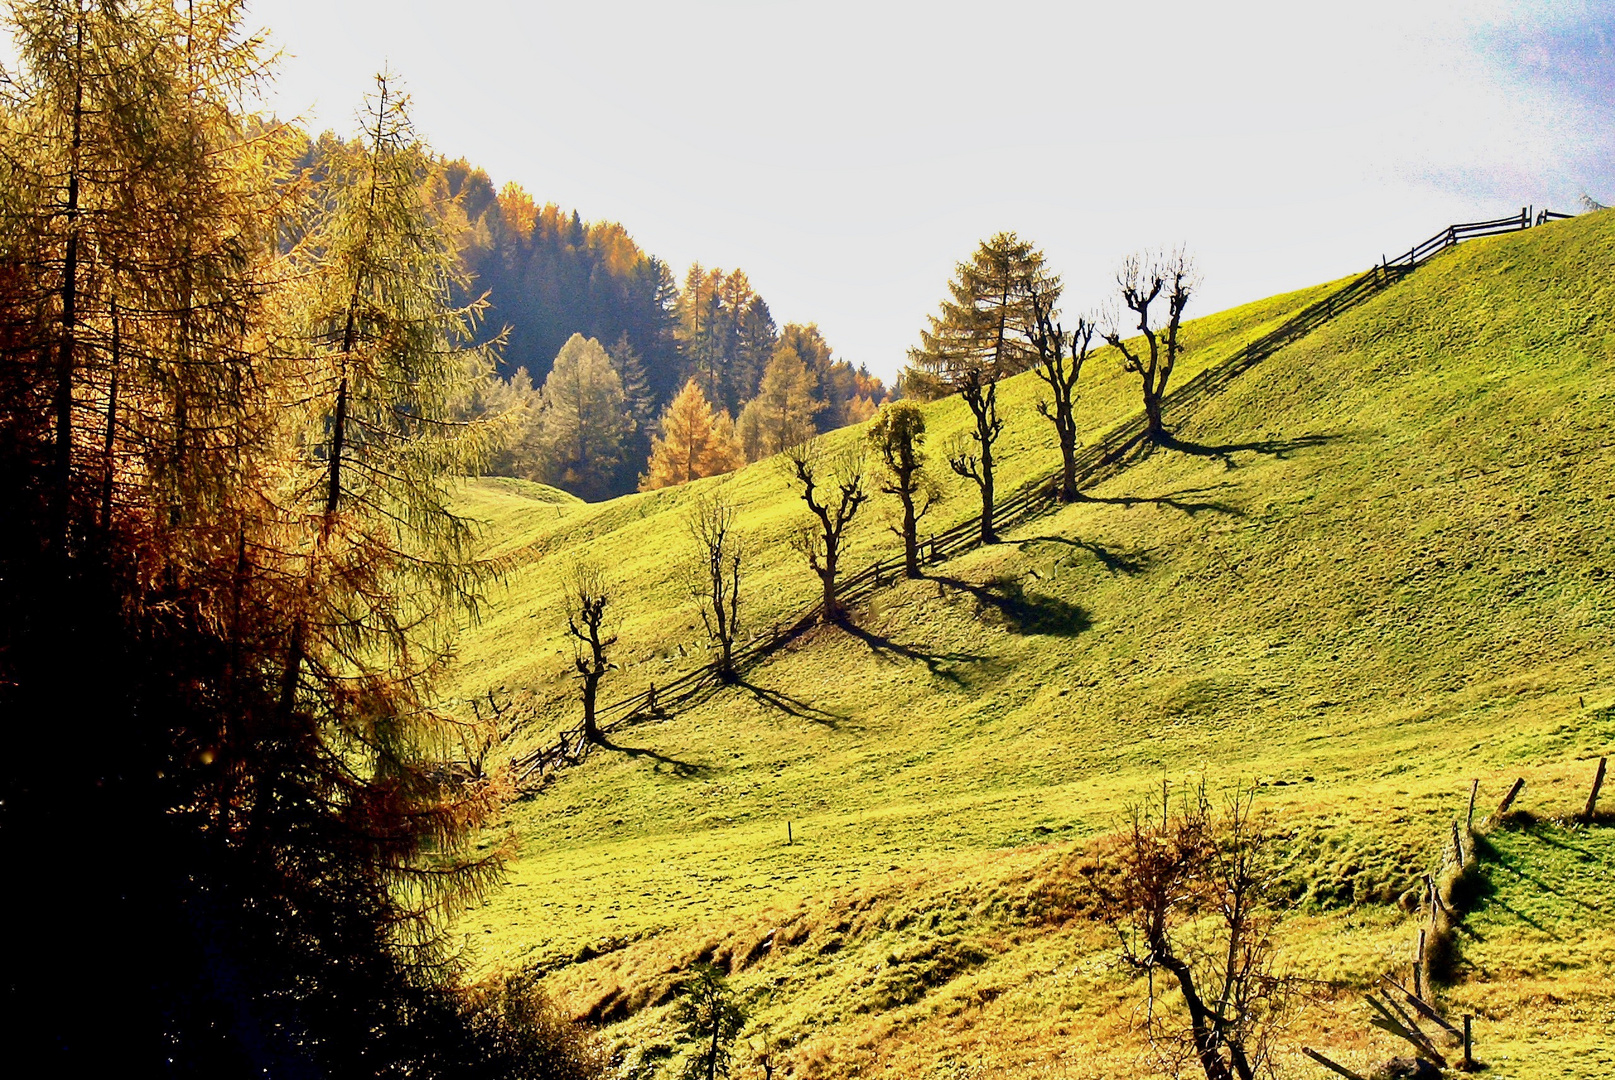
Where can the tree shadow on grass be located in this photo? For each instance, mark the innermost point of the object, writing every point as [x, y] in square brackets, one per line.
[1224, 452]
[1131, 563]
[1024, 612]
[792, 706]
[1176, 500]
[944, 665]
[687, 770]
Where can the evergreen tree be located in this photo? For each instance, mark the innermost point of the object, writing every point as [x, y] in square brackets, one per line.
[640, 402]
[693, 442]
[987, 321]
[781, 414]
[583, 419]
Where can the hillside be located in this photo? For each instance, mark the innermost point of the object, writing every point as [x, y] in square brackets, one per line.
[1379, 567]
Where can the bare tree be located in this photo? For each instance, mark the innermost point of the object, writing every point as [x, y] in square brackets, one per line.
[973, 457]
[1191, 900]
[834, 486]
[587, 599]
[1060, 357]
[898, 436]
[1142, 279]
[714, 574]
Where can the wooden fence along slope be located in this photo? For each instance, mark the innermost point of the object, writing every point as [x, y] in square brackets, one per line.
[1095, 462]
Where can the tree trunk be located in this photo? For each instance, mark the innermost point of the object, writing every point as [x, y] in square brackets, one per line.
[911, 542]
[591, 730]
[1068, 462]
[832, 601]
[1152, 411]
[988, 536]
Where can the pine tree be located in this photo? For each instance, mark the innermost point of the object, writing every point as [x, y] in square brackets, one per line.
[583, 419]
[781, 414]
[693, 442]
[986, 323]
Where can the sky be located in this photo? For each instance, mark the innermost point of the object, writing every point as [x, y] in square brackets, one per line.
[848, 155]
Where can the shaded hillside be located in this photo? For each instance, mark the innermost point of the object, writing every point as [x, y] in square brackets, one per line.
[1381, 564]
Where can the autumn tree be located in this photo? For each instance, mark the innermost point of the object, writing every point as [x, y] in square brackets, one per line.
[987, 320]
[1142, 280]
[834, 486]
[693, 442]
[587, 597]
[712, 1018]
[714, 574]
[1060, 356]
[235, 511]
[898, 437]
[583, 419]
[781, 414]
[981, 334]
[1192, 899]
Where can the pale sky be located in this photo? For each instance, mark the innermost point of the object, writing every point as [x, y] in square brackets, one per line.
[847, 155]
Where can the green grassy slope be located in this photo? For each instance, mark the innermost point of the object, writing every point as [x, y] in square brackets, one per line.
[1384, 565]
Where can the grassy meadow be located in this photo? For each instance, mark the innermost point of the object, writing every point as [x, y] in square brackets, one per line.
[1382, 565]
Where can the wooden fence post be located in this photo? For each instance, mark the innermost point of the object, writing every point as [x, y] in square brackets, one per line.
[1508, 800]
[1469, 1046]
[1418, 969]
[1474, 789]
[1457, 847]
[1592, 797]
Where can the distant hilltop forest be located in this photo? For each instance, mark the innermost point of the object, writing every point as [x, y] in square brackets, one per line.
[548, 276]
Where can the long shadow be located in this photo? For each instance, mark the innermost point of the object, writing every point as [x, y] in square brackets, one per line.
[1175, 500]
[1131, 563]
[944, 665]
[1024, 612]
[685, 769]
[1278, 448]
[792, 706]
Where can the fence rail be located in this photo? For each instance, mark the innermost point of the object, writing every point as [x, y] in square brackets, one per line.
[1098, 461]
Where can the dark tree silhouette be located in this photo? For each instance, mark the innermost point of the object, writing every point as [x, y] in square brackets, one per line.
[898, 436]
[1060, 357]
[834, 486]
[1142, 279]
[587, 599]
[972, 457]
[715, 574]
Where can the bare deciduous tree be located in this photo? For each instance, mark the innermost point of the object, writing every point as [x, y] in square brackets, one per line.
[898, 436]
[1142, 279]
[1191, 899]
[973, 457]
[587, 599]
[1060, 357]
[834, 486]
[714, 574]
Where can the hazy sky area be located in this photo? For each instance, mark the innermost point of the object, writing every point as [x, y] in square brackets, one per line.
[847, 155]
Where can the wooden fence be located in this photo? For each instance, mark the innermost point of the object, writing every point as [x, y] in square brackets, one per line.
[1096, 462]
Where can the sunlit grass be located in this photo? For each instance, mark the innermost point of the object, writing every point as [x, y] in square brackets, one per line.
[1388, 571]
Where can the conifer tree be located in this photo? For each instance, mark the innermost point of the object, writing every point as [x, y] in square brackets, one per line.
[987, 320]
[781, 414]
[583, 419]
[693, 442]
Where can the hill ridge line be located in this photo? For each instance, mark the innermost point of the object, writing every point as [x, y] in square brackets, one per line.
[1112, 454]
